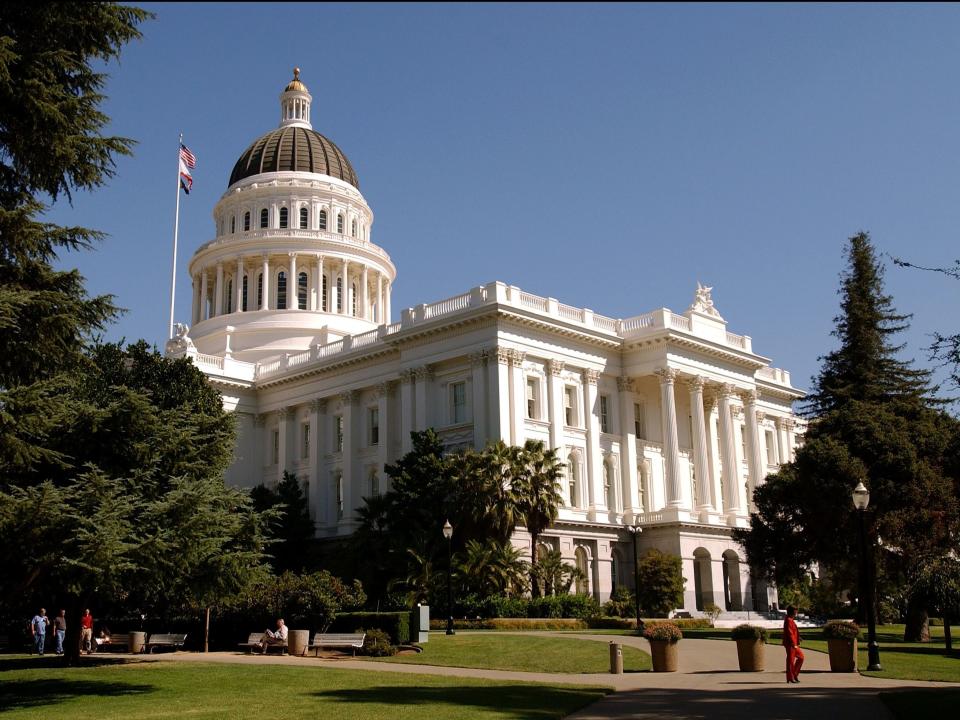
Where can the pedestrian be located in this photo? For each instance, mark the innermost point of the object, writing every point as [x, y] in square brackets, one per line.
[38, 628]
[86, 632]
[60, 629]
[791, 643]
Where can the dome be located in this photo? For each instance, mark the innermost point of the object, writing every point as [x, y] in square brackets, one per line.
[294, 149]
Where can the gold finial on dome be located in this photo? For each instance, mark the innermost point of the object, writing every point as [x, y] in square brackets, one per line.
[296, 73]
[295, 84]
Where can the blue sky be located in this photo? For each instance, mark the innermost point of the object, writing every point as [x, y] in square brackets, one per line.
[607, 155]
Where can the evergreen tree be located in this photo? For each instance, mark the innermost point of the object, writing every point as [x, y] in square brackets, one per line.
[291, 528]
[661, 583]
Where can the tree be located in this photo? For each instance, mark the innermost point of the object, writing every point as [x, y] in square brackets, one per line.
[554, 576]
[661, 583]
[936, 585]
[873, 418]
[292, 529]
[536, 492]
[491, 568]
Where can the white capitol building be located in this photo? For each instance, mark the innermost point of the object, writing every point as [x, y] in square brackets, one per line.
[666, 421]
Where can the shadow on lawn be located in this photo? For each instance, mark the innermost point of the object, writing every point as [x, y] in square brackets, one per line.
[51, 662]
[526, 701]
[39, 693]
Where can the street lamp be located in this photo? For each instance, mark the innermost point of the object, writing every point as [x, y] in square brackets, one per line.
[861, 498]
[635, 530]
[448, 534]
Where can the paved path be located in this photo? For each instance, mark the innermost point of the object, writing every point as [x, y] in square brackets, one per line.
[708, 684]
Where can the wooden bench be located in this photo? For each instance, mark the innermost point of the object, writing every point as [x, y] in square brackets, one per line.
[117, 640]
[337, 640]
[254, 643]
[170, 640]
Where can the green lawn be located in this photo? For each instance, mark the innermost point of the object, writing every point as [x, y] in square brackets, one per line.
[33, 688]
[519, 652]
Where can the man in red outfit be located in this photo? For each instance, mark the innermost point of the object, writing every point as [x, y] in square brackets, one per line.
[791, 643]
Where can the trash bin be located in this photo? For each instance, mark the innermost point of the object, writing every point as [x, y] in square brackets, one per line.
[137, 640]
[297, 641]
[616, 659]
[420, 633]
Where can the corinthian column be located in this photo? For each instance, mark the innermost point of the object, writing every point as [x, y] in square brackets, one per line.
[755, 458]
[731, 478]
[628, 449]
[701, 462]
[671, 444]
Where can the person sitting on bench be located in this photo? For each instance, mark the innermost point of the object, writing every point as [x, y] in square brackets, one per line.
[271, 637]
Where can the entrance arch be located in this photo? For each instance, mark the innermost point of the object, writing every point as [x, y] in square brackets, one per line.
[732, 593]
[702, 578]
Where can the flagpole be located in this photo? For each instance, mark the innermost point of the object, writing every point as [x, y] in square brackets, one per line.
[176, 228]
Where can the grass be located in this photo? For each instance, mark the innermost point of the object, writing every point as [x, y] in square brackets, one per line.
[33, 688]
[525, 653]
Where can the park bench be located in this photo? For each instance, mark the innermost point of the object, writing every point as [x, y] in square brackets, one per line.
[170, 640]
[253, 643]
[337, 640]
[114, 643]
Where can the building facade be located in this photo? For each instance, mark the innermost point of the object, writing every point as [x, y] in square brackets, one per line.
[666, 422]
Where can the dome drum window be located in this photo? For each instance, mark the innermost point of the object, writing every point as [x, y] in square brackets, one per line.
[303, 219]
[264, 218]
[284, 216]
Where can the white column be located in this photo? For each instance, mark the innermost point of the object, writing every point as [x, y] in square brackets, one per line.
[238, 286]
[671, 444]
[789, 424]
[499, 394]
[346, 287]
[478, 365]
[293, 286]
[351, 498]
[380, 319]
[598, 500]
[406, 410]
[519, 394]
[387, 315]
[283, 459]
[364, 295]
[266, 283]
[386, 433]
[728, 453]
[701, 462]
[628, 450]
[755, 457]
[318, 410]
[555, 403]
[218, 298]
[204, 289]
[195, 314]
[424, 377]
[320, 294]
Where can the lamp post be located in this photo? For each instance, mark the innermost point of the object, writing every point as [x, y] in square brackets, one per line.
[448, 534]
[635, 531]
[861, 498]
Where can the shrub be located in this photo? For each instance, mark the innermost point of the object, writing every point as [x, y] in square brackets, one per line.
[611, 623]
[936, 622]
[841, 630]
[712, 611]
[377, 644]
[667, 631]
[661, 583]
[537, 624]
[440, 624]
[749, 632]
[622, 603]
[499, 606]
[692, 623]
[395, 624]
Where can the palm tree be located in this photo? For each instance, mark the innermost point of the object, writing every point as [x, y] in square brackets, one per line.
[536, 488]
[492, 568]
[555, 575]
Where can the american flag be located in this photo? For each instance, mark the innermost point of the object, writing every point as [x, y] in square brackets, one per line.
[188, 157]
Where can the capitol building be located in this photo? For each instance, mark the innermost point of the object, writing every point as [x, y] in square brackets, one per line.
[666, 421]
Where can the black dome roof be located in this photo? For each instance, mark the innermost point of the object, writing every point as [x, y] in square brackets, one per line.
[297, 149]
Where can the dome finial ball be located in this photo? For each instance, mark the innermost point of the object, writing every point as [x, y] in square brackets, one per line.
[296, 73]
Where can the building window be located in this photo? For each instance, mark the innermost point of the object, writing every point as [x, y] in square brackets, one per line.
[259, 291]
[305, 440]
[573, 463]
[533, 411]
[246, 221]
[275, 457]
[302, 291]
[340, 224]
[458, 403]
[642, 493]
[374, 484]
[353, 299]
[228, 300]
[339, 294]
[771, 448]
[639, 421]
[604, 414]
[569, 406]
[323, 292]
[283, 217]
[338, 481]
[281, 290]
[244, 298]
[322, 219]
[264, 216]
[374, 424]
[303, 218]
[353, 228]
[233, 225]
[338, 433]
[608, 491]
[582, 585]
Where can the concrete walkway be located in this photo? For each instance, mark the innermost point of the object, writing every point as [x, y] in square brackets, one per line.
[708, 684]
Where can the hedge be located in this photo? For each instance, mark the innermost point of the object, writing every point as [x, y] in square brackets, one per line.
[395, 624]
[512, 624]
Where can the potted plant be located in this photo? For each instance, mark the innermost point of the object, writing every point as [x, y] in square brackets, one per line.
[842, 644]
[751, 640]
[663, 637]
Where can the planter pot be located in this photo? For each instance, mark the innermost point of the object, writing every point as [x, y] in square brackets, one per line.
[297, 641]
[665, 655]
[843, 655]
[751, 655]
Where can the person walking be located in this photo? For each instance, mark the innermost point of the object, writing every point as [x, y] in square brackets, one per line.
[791, 643]
[86, 632]
[60, 630]
[38, 629]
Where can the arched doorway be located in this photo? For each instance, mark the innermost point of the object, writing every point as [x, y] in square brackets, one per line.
[732, 594]
[702, 578]
[582, 585]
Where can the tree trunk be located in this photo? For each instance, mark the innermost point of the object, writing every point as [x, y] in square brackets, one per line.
[917, 628]
[534, 588]
[71, 641]
[947, 637]
[206, 632]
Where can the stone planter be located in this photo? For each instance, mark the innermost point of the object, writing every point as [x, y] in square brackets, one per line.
[137, 641]
[751, 654]
[665, 655]
[843, 654]
[297, 641]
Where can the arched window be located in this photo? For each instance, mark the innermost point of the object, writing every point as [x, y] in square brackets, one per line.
[323, 295]
[614, 567]
[322, 219]
[244, 299]
[353, 299]
[233, 225]
[353, 228]
[339, 294]
[281, 290]
[259, 291]
[283, 217]
[228, 300]
[374, 484]
[583, 565]
[302, 291]
[246, 221]
[264, 216]
[340, 224]
[303, 218]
